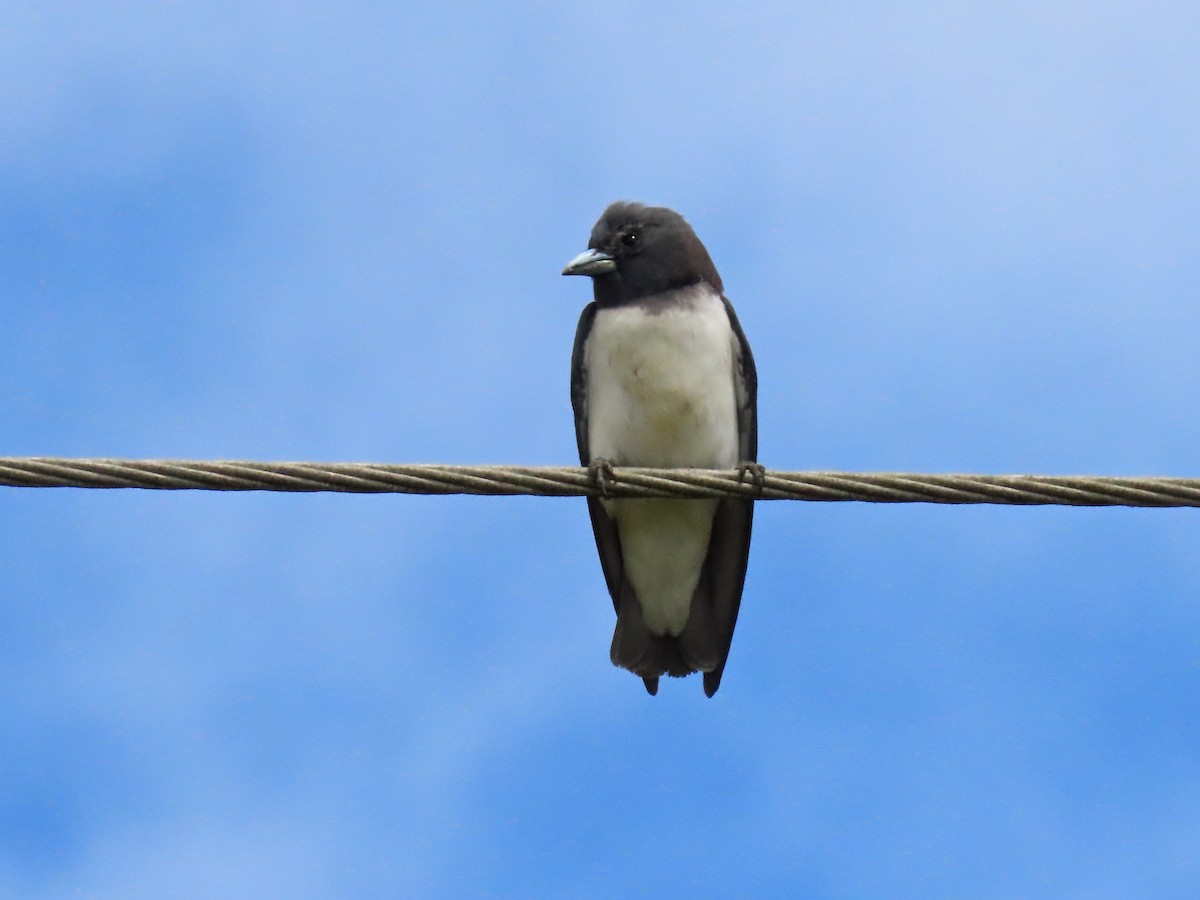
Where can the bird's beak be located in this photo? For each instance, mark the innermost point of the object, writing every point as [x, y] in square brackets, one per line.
[590, 262]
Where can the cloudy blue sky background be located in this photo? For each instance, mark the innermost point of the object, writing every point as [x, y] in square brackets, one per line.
[959, 239]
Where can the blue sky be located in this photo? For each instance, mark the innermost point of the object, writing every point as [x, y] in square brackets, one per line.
[959, 239]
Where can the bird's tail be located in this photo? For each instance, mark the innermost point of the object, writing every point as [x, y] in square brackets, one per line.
[698, 648]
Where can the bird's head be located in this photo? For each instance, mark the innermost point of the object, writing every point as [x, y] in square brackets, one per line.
[637, 251]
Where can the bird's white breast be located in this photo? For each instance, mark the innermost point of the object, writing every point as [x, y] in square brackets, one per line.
[661, 392]
[660, 384]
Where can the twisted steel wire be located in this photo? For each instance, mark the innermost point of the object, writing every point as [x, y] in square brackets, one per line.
[575, 481]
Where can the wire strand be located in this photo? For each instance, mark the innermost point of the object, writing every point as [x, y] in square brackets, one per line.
[576, 481]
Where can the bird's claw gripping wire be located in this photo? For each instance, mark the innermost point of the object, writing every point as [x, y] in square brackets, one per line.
[602, 475]
[755, 471]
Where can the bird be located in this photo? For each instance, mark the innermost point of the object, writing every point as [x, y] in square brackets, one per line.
[662, 376]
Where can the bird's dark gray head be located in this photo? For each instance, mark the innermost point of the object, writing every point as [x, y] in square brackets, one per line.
[636, 251]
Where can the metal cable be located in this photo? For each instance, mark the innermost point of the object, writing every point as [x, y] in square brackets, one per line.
[575, 481]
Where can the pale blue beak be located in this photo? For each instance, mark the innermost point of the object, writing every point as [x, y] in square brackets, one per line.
[591, 262]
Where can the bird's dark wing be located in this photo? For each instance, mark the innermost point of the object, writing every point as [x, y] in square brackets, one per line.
[746, 383]
[604, 527]
[729, 546]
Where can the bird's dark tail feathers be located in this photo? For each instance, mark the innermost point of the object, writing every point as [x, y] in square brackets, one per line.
[698, 648]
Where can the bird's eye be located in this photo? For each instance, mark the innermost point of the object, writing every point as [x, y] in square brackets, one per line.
[630, 238]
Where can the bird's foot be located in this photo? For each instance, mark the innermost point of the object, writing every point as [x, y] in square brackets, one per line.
[755, 471]
[602, 475]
